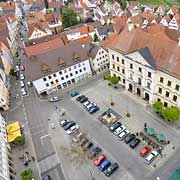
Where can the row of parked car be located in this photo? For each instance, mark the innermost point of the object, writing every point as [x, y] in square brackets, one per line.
[103, 164]
[129, 138]
[91, 107]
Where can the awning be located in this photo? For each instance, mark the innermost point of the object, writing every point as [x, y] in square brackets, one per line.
[160, 137]
[13, 131]
[150, 131]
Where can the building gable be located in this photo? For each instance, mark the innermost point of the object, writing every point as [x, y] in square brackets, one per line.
[37, 34]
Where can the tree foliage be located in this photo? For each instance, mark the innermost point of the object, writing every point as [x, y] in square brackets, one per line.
[12, 72]
[171, 113]
[19, 140]
[27, 174]
[46, 4]
[95, 37]
[123, 4]
[107, 77]
[114, 80]
[158, 106]
[69, 17]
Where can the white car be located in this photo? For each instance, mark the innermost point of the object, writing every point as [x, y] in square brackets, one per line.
[55, 99]
[119, 130]
[17, 68]
[64, 122]
[22, 77]
[22, 84]
[23, 92]
[52, 125]
[86, 103]
[123, 134]
[151, 157]
[72, 129]
[90, 106]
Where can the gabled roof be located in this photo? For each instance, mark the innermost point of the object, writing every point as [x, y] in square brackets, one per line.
[92, 50]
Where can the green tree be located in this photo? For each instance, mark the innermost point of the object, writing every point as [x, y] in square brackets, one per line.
[95, 37]
[123, 4]
[158, 106]
[19, 140]
[12, 72]
[114, 80]
[46, 4]
[27, 174]
[171, 113]
[107, 77]
[69, 17]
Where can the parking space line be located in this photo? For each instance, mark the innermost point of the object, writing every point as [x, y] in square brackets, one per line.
[42, 137]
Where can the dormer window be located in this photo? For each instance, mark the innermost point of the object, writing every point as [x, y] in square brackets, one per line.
[76, 57]
[61, 62]
[45, 68]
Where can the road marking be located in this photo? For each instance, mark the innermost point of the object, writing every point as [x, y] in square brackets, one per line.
[42, 137]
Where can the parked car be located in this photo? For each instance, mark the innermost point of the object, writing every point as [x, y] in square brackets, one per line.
[114, 126]
[144, 151]
[86, 103]
[69, 125]
[90, 106]
[123, 134]
[17, 68]
[104, 165]
[78, 137]
[74, 93]
[22, 67]
[64, 122]
[55, 99]
[29, 84]
[22, 84]
[96, 151]
[72, 129]
[129, 138]
[80, 97]
[83, 100]
[99, 160]
[94, 109]
[111, 169]
[22, 77]
[119, 130]
[151, 157]
[52, 125]
[17, 74]
[134, 143]
[83, 141]
[23, 92]
[47, 177]
[88, 145]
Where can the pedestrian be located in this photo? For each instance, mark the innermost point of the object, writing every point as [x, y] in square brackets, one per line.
[48, 119]
[56, 107]
[32, 157]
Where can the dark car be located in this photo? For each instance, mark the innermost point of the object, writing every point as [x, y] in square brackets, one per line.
[94, 109]
[47, 177]
[129, 138]
[80, 97]
[111, 169]
[69, 125]
[114, 126]
[84, 99]
[83, 141]
[96, 151]
[104, 165]
[134, 143]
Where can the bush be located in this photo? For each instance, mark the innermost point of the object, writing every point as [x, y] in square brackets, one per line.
[114, 80]
[158, 106]
[12, 72]
[128, 114]
[27, 174]
[171, 114]
[107, 77]
[19, 140]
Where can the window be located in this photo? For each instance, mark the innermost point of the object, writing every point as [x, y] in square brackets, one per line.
[158, 99]
[69, 69]
[169, 83]
[112, 56]
[79, 65]
[148, 85]
[47, 84]
[97, 59]
[139, 81]
[54, 75]
[165, 104]
[131, 66]
[84, 68]
[160, 90]
[122, 61]
[167, 94]
[60, 72]
[76, 72]
[123, 71]
[57, 80]
[52, 82]
[71, 74]
[44, 79]
[80, 70]
[49, 77]
[66, 76]
[118, 69]
[117, 59]
[124, 81]
[177, 87]
[174, 98]
[149, 74]
[140, 70]
[62, 78]
[113, 66]
[161, 79]
[65, 71]
[74, 66]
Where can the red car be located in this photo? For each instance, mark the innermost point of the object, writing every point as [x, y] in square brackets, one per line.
[145, 150]
[99, 160]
